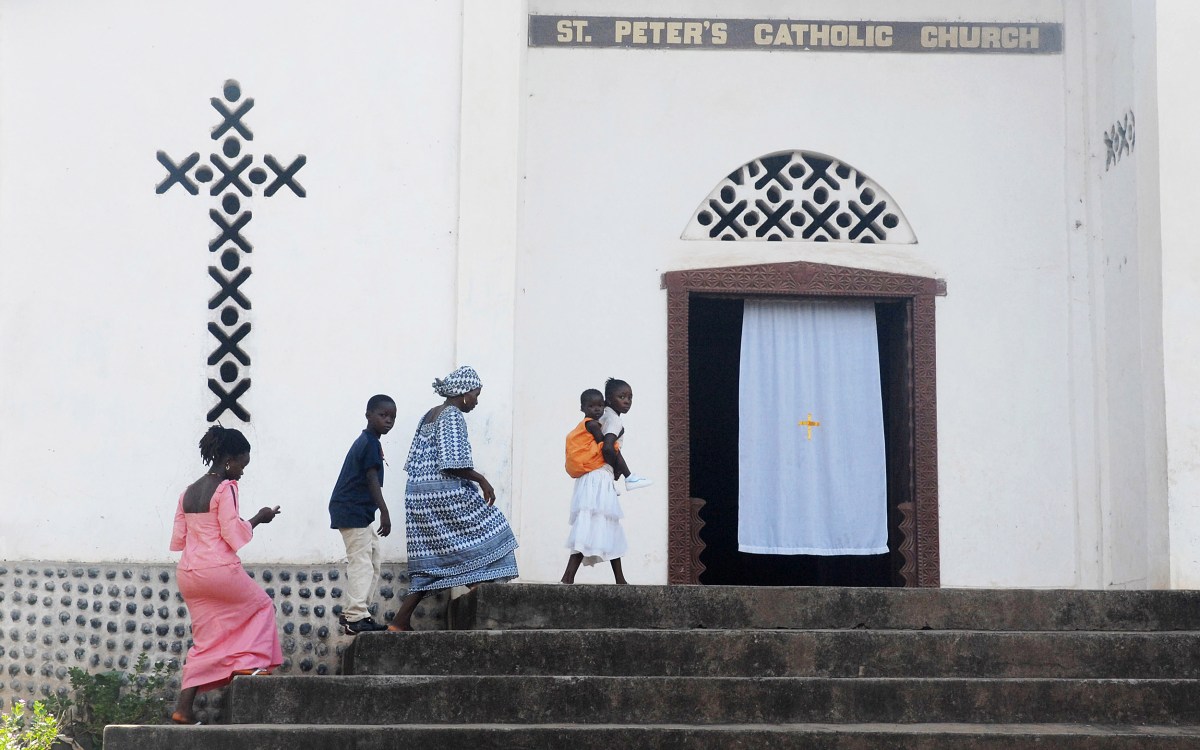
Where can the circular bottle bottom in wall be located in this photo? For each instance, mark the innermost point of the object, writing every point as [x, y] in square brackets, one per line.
[102, 616]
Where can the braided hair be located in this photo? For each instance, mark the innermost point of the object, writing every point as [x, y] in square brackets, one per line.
[220, 442]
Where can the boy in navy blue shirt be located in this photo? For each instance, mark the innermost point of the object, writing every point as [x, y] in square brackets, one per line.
[356, 496]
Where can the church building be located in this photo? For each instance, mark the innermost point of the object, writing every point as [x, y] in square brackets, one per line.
[904, 292]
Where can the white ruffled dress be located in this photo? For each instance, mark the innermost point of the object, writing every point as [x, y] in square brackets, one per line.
[596, 518]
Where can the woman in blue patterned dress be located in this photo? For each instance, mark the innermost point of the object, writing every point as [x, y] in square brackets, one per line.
[455, 535]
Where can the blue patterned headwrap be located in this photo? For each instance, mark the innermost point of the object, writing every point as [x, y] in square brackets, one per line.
[458, 382]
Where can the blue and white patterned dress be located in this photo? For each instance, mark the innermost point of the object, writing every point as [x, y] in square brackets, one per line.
[454, 537]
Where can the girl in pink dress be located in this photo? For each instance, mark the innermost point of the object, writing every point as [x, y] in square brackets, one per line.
[233, 620]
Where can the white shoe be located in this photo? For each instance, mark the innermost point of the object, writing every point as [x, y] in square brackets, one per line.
[634, 482]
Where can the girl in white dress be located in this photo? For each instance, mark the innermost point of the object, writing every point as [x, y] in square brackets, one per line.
[596, 533]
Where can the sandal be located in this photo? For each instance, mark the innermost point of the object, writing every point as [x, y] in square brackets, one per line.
[252, 672]
[178, 718]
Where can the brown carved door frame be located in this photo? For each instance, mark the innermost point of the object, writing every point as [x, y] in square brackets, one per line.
[919, 517]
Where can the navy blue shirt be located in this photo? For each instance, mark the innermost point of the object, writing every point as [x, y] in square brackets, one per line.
[351, 506]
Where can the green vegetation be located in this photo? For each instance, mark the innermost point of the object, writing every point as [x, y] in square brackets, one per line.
[23, 728]
[97, 700]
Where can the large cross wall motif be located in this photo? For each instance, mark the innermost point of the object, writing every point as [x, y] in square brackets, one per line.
[229, 361]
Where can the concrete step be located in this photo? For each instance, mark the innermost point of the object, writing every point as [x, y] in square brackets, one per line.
[711, 700]
[663, 737]
[529, 606]
[781, 653]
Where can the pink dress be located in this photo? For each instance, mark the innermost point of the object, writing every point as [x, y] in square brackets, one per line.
[233, 619]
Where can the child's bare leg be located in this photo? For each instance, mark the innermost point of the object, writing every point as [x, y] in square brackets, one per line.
[622, 469]
[183, 707]
[613, 458]
[617, 574]
[572, 567]
[403, 618]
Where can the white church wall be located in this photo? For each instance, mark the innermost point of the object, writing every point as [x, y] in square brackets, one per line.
[1178, 112]
[622, 145]
[103, 298]
[419, 246]
[489, 212]
[1155, 556]
[1122, 501]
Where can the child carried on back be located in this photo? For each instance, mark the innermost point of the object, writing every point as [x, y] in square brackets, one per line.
[594, 460]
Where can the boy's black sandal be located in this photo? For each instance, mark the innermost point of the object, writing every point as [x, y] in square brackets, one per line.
[365, 625]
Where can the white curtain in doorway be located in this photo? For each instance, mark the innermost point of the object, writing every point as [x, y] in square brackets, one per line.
[818, 488]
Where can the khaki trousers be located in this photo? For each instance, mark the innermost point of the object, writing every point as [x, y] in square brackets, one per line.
[362, 571]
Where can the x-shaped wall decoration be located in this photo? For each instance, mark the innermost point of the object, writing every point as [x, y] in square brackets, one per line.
[231, 175]
[1119, 140]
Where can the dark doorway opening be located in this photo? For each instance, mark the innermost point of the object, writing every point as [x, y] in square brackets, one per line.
[714, 349]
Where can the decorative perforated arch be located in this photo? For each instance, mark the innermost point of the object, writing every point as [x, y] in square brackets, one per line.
[800, 196]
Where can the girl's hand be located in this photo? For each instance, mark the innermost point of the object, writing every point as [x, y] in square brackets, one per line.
[264, 515]
[489, 494]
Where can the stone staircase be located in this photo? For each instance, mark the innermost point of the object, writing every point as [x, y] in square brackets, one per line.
[608, 667]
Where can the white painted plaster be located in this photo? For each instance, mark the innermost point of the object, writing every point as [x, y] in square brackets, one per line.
[972, 148]
[489, 200]
[104, 289]
[1084, 379]
[1155, 554]
[473, 200]
[1178, 113]
[1128, 501]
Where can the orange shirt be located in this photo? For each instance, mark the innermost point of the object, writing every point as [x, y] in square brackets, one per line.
[583, 452]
